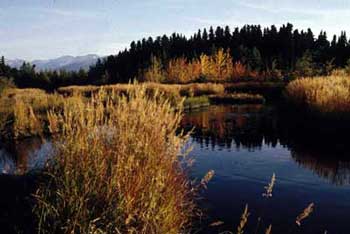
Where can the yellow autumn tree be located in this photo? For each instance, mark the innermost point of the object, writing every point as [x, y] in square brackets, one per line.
[217, 67]
[222, 64]
[174, 70]
[179, 70]
[194, 70]
[206, 66]
[155, 72]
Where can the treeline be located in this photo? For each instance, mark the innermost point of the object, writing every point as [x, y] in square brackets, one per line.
[291, 52]
[250, 52]
[27, 77]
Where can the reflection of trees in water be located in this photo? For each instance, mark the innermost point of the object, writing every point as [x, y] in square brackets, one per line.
[252, 126]
[231, 126]
[7, 165]
[19, 157]
[337, 171]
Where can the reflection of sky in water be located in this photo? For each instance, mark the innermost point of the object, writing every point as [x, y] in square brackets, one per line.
[244, 151]
[217, 131]
[31, 158]
[7, 164]
[240, 177]
[257, 165]
[38, 158]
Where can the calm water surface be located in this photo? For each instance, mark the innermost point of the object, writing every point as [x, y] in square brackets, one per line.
[19, 158]
[244, 145]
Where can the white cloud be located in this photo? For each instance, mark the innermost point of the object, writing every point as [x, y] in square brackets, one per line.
[69, 13]
[269, 12]
[274, 7]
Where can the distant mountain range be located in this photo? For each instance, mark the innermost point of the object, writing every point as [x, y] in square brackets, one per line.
[68, 63]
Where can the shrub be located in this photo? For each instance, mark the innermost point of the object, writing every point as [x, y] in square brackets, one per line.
[5, 83]
[116, 168]
[305, 67]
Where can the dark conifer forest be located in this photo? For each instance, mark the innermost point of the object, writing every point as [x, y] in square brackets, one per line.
[285, 51]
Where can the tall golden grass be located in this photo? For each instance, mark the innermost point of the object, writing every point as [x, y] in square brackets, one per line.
[194, 89]
[329, 94]
[116, 167]
[38, 99]
[268, 194]
[23, 111]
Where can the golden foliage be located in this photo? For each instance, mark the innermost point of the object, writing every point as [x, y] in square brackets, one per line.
[176, 90]
[25, 123]
[329, 94]
[181, 71]
[23, 111]
[116, 167]
[218, 67]
[155, 71]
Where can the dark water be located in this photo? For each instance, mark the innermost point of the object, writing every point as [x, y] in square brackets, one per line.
[19, 163]
[245, 145]
[19, 158]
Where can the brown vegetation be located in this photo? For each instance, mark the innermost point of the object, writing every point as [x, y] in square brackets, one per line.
[23, 111]
[329, 95]
[218, 67]
[169, 90]
[116, 167]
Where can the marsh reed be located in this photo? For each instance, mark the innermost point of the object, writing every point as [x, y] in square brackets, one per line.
[116, 167]
[329, 94]
[23, 112]
[169, 90]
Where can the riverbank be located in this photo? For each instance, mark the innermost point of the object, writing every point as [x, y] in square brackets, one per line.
[24, 111]
[326, 98]
[237, 128]
[191, 103]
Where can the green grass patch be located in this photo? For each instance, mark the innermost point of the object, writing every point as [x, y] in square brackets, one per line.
[237, 98]
[196, 102]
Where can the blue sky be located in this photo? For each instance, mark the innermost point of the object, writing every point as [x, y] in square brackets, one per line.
[41, 29]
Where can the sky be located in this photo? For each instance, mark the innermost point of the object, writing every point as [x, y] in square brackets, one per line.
[43, 29]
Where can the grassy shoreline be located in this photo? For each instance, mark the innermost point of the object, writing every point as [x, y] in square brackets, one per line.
[125, 138]
[237, 98]
[24, 111]
[324, 97]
